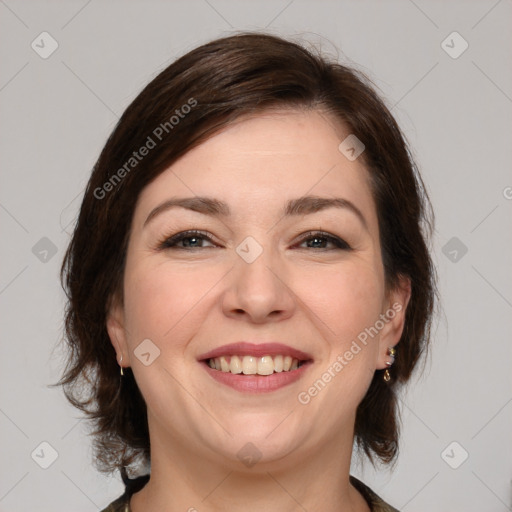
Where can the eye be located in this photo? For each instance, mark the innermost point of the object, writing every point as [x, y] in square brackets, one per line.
[193, 239]
[321, 240]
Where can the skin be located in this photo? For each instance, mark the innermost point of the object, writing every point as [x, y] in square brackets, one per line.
[189, 301]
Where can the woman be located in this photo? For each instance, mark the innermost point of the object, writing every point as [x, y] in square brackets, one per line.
[248, 283]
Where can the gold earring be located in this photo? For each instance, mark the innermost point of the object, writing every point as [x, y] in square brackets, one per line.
[391, 353]
[120, 361]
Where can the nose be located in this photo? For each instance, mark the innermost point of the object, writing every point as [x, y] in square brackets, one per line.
[258, 292]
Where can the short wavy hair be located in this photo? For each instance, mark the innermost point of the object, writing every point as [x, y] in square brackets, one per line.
[224, 80]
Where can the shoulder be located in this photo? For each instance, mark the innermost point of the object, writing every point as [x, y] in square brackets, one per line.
[122, 504]
[132, 485]
[376, 503]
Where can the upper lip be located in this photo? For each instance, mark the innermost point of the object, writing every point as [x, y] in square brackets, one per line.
[243, 348]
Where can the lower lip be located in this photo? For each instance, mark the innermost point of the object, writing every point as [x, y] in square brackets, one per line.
[257, 383]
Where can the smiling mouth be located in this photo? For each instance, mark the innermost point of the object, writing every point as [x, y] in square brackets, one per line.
[255, 365]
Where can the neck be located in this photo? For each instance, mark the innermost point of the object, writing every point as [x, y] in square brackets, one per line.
[184, 479]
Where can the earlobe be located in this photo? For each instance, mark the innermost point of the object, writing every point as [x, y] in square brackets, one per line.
[396, 307]
[117, 333]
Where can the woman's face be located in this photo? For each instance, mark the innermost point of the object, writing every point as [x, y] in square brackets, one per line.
[288, 255]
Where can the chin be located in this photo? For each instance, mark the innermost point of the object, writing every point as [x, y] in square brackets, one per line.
[259, 438]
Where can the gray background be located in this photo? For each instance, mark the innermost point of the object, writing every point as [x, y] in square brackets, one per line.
[57, 113]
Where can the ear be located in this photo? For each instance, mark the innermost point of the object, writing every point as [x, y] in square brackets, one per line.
[393, 315]
[117, 331]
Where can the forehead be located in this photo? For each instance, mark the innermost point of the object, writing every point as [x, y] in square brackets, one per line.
[264, 160]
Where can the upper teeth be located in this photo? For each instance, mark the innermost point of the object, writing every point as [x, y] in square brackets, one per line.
[252, 365]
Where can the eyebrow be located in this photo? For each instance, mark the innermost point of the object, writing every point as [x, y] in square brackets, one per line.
[305, 205]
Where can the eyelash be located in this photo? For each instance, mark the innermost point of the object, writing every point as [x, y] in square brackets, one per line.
[171, 242]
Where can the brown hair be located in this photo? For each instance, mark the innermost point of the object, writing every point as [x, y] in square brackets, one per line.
[218, 83]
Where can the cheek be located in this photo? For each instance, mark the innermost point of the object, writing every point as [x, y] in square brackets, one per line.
[346, 298]
[162, 303]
